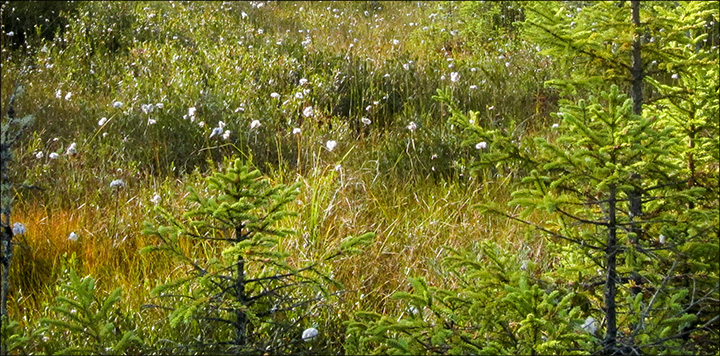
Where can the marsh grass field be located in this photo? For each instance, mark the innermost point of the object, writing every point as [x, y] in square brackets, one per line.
[340, 97]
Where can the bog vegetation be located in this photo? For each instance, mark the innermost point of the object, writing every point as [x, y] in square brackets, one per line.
[360, 178]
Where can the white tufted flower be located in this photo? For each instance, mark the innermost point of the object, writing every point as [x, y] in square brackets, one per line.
[366, 121]
[331, 145]
[39, 155]
[303, 81]
[73, 236]
[102, 121]
[296, 131]
[117, 104]
[481, 145]
[156, 199]
[147, 108]
[255, 124]
[216, 132]
[72, 149]
[412, 126]
[454, 77]
[117, 183]
[590, 325]
[308, 111]
[309, 334]
[275, 95]
[18, 229]
[53, 155]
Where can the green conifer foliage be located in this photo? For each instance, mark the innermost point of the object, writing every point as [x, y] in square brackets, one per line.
[622, 173]
[85, 324]
[245, 298]
[665, 55]
[499, 307]
[586, 181]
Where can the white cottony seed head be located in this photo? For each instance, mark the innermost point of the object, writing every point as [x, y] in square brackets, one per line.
[309, 334]
[216, 132]
[308, 111]
[118, 183]
[73, 236]
[331, 145]
[454, 77]
[72, 149]
[18, 229]
[590, 325]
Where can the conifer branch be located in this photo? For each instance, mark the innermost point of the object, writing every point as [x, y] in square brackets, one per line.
[581, 220]
[551, 233]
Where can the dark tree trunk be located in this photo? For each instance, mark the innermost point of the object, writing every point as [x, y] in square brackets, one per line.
[610, 342]
[6, 236]
[636, 93]
[691, 163]
[240, 297]
[637, 68]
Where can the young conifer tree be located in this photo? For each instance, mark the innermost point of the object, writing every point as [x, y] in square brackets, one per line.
[586, 180]
[623, 181]
[81, 322]
[240, 288]
[623, 176]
